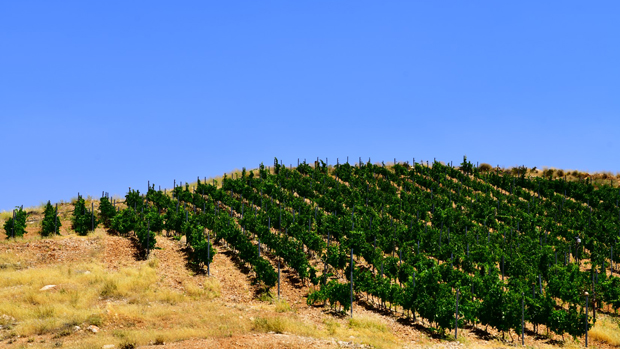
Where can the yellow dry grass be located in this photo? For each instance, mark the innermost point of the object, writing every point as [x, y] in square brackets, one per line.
[361, 329]
[368, 329]
[607, 329]
[133, 308]
[5, 215]
[129, 302]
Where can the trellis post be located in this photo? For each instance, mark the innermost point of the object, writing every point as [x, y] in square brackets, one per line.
[351, 277]
[456, 315]
[148, 237]
[208, 255]
[587, 299]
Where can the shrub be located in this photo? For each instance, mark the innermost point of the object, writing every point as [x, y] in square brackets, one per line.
[519, 171]
[16, 225]
[548, 173]
[51, 224]
[560, 173]
[484, 167]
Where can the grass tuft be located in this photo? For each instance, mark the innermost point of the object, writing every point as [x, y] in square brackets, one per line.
[367, 324]
[282, 306]
[606, 330]
[269, 324]
[210, 289]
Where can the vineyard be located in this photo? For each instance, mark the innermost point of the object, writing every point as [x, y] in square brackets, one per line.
[447, 247]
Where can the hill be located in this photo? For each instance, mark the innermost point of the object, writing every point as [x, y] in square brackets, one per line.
[420, 235]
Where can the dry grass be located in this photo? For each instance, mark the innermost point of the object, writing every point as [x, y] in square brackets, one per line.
[282, 306]
[607, 329]
[290, 324]
[129, 302]
[277, 324]
[76, 297]
[5, 215]
[9, 261]
[597, 178]
[369, 329]
[367, 323]
[209, 290]
[362, 329]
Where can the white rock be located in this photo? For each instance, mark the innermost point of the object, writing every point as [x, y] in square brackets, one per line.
[47, 287]
[7, 318]
[76, 328]
[93, 328]
[108, 346]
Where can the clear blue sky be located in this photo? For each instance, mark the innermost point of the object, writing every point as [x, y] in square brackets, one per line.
[106, 95]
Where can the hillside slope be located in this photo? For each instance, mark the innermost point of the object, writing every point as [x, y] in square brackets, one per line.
[104, 280]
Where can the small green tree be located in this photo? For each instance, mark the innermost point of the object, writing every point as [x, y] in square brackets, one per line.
[106, 211]
[51, 224]
[83, 219]
[16, 225]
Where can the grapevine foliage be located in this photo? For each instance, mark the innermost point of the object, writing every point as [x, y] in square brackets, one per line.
[106, 211]
[83, 220]
[16, 226]
[51, 223]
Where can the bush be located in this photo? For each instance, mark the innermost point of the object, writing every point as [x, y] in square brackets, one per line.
[51, 224]
[520, 171]
[548, 173]
[484, 167]
[560, 173]
[16, 225]
[83, 220]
